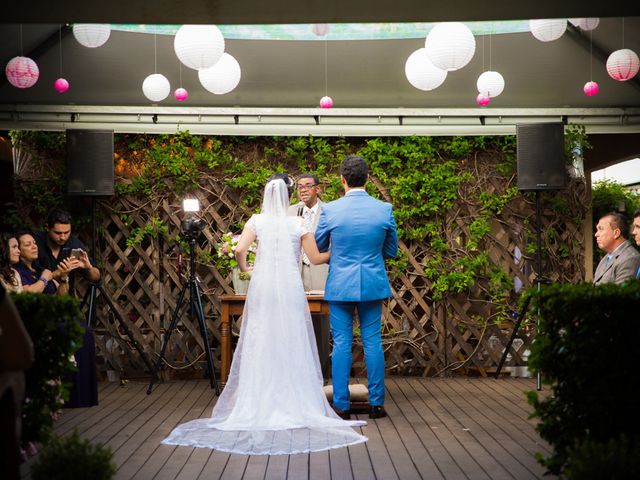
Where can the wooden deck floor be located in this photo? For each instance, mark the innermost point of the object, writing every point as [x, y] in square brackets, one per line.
[454, 428]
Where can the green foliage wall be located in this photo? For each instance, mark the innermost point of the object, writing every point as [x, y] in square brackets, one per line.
[465, 230]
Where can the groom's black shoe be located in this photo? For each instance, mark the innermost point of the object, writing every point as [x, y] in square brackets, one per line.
[377, 412]
[343, 414]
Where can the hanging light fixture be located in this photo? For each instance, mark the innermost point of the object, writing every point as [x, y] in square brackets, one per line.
[623, 64]
[22, 72]
[199, 46]
[421, 73]
[223, 77]
[585, 24]
[92, 35]
[450, 45]
[591, 88]
[490, 83]
[326, 101]
[483, 100]
[156, 86]
[61, 84]
[549, 29]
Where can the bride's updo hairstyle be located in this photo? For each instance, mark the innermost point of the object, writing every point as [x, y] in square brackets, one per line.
[285, 178]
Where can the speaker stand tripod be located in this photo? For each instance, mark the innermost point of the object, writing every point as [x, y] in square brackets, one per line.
[90, 296]
[537, 281]
[195, 308]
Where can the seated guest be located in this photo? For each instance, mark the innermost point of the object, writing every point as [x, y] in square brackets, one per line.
[9, 277]
[622, 260]
[36, 279]
[57, 243]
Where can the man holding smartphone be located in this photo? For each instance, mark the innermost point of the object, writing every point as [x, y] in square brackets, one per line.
[57, 243]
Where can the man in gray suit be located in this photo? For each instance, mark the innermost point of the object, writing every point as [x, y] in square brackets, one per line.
[622, 260]
[314, 277]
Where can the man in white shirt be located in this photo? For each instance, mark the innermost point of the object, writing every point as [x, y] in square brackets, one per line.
[314, 277]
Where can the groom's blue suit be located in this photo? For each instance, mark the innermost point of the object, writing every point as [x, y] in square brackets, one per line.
[361, 233]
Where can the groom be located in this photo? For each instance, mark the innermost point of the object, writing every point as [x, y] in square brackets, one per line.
[361, 233]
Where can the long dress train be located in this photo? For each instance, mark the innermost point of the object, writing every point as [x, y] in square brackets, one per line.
[273, 402]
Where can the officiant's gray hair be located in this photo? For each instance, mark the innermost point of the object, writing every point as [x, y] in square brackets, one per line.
[288, 181]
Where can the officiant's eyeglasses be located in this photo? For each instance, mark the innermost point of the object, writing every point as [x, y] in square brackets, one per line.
[307, 186]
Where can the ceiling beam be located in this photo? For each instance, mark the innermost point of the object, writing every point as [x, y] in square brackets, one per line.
[310, 11]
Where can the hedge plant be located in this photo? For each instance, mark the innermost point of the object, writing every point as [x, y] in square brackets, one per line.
[587, 350]
[54, 324]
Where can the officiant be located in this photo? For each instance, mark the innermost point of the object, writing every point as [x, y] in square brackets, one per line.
[314, 277]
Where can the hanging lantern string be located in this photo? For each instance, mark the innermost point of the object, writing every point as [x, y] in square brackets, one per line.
[180, 66]
[622, 32]
[590, 54]
[326, 81]
[155, 52]
[60, 43]
[490, 48]
[21, 51]
[483, 37]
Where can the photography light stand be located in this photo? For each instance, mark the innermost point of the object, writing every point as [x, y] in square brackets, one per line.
[192, 229]
[539, 279]
[90, 297]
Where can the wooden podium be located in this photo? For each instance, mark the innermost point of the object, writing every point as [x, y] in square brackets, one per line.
[233, 306]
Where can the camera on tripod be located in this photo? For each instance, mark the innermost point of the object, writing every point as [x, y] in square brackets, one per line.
[191, 225]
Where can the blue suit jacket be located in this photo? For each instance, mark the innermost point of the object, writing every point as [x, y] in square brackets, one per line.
[361, 233]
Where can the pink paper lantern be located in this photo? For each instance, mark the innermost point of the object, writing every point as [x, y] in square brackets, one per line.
[483, 100]
[22, 72]
[591, 88]
[623, 64]
[326, 102]
[181, 94]
[61, 85]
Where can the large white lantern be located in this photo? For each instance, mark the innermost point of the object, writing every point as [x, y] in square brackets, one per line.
[421, 73]
[549, 29]
[490, 83]
[156, 87]
[223, 77]
[92, 35]
[199, 46]
[623, 64]
[22, 72]
[450, 45]
[585, 24]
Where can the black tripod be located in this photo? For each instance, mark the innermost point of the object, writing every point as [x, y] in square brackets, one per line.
[539, 280]
[90, 295]
[195, 307]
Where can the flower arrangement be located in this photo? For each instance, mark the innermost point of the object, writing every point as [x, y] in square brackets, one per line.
[226, 250]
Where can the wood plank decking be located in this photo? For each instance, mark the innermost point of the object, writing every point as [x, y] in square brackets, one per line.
[452, 428]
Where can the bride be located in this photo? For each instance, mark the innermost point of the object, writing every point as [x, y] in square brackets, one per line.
[273, 402]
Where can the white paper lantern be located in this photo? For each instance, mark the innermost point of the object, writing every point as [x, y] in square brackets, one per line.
[549, 29]
[156, 87]
[92, 35]
[320, 29]
[490, 84]
[199, 46]
[223, 77]
[585, 24]
[22, 72]
[421, 73]
[450, 45]
[623, 64]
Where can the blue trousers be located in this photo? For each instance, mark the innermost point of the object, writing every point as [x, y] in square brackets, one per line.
[341, 318]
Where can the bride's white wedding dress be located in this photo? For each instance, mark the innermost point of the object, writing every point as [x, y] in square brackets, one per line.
[273, 402]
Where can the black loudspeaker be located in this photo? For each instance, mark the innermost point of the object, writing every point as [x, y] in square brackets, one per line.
[90, 162]
[541, 163]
